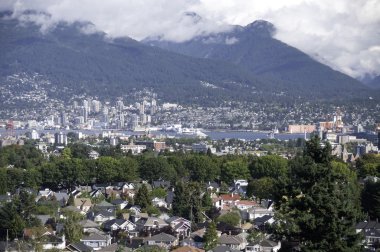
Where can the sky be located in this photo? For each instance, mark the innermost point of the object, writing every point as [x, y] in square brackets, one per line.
[344, 34]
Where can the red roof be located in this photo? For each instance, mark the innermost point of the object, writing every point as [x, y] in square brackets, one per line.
[230, 197]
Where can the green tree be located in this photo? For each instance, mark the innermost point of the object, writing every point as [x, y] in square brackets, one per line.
[142, 197]
[66, 153]
[368, 165]
[210, 237]
[231, 218]
[127, 169]
[106, 169]
[73, 231]
[371, 199]
[158, 192]
[268, 166]
[10, 221]
[180, 200]
[202, 168]
[261, 188]
[232, 170]
[156, 168]
[318, 205]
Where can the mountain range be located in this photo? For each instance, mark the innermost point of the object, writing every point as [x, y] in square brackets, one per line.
[245, 64]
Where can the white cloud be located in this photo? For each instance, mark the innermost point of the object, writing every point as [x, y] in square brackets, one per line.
[342, 33]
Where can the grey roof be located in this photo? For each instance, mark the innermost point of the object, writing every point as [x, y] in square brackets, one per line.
[103, 212]
[109, 223]
[88, 224]
[230, 239]
[118, 201]
[368, 225]
[169, 197]
[43, 218]
[224, 249]
[372, 233]
[105, 204]
[79, 246]
[261, 220]
[94, 237]
[164, 237]
[61, 196]
[111, 248]
[161, 183]
[268, 243]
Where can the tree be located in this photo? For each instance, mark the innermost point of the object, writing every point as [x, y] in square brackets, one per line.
[232, 218]
[127, 169]
[66, 153]
[106, 169]
[371, 199]
[73, 231]
[202, 168]
[268, 166]
[318, 205]
[142, 197]
[368, 165]
[210, 237]
[157, 168]
[232, 170]
[261, 188]
[180, 200]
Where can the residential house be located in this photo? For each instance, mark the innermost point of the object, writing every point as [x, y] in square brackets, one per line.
[100, 215]
[104, 205]
[163, 240]
[180, 226]
[232, 241]
[118, 224]
[263, 246]
[120, 203]
[260, 222]
[88, 225]
[79, 247]
[93, 155]
[159, 202]
[245, 204]
[229, 200]
[83, 204]
[188, 249]
[370, 231]
[61, 198]
[96, 241]
[224, 248]
[96, 193]
[161, 184]
[212, 187]
[256, 212]
[150, 223]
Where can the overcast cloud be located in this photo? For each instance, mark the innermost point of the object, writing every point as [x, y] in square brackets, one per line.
[344, 34]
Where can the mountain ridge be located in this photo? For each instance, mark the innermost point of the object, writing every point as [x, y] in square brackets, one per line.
[255, 49]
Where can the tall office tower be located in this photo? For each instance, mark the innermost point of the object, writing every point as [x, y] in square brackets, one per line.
[60, 138]
[105, 114]
[85, 104]
[85, 113]
[75, 104]
[142, 108]
[135, 121]
[153, 107]
[96, 105]
[143, 119]
[121, 121]
[119, 105]
[64, 121]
